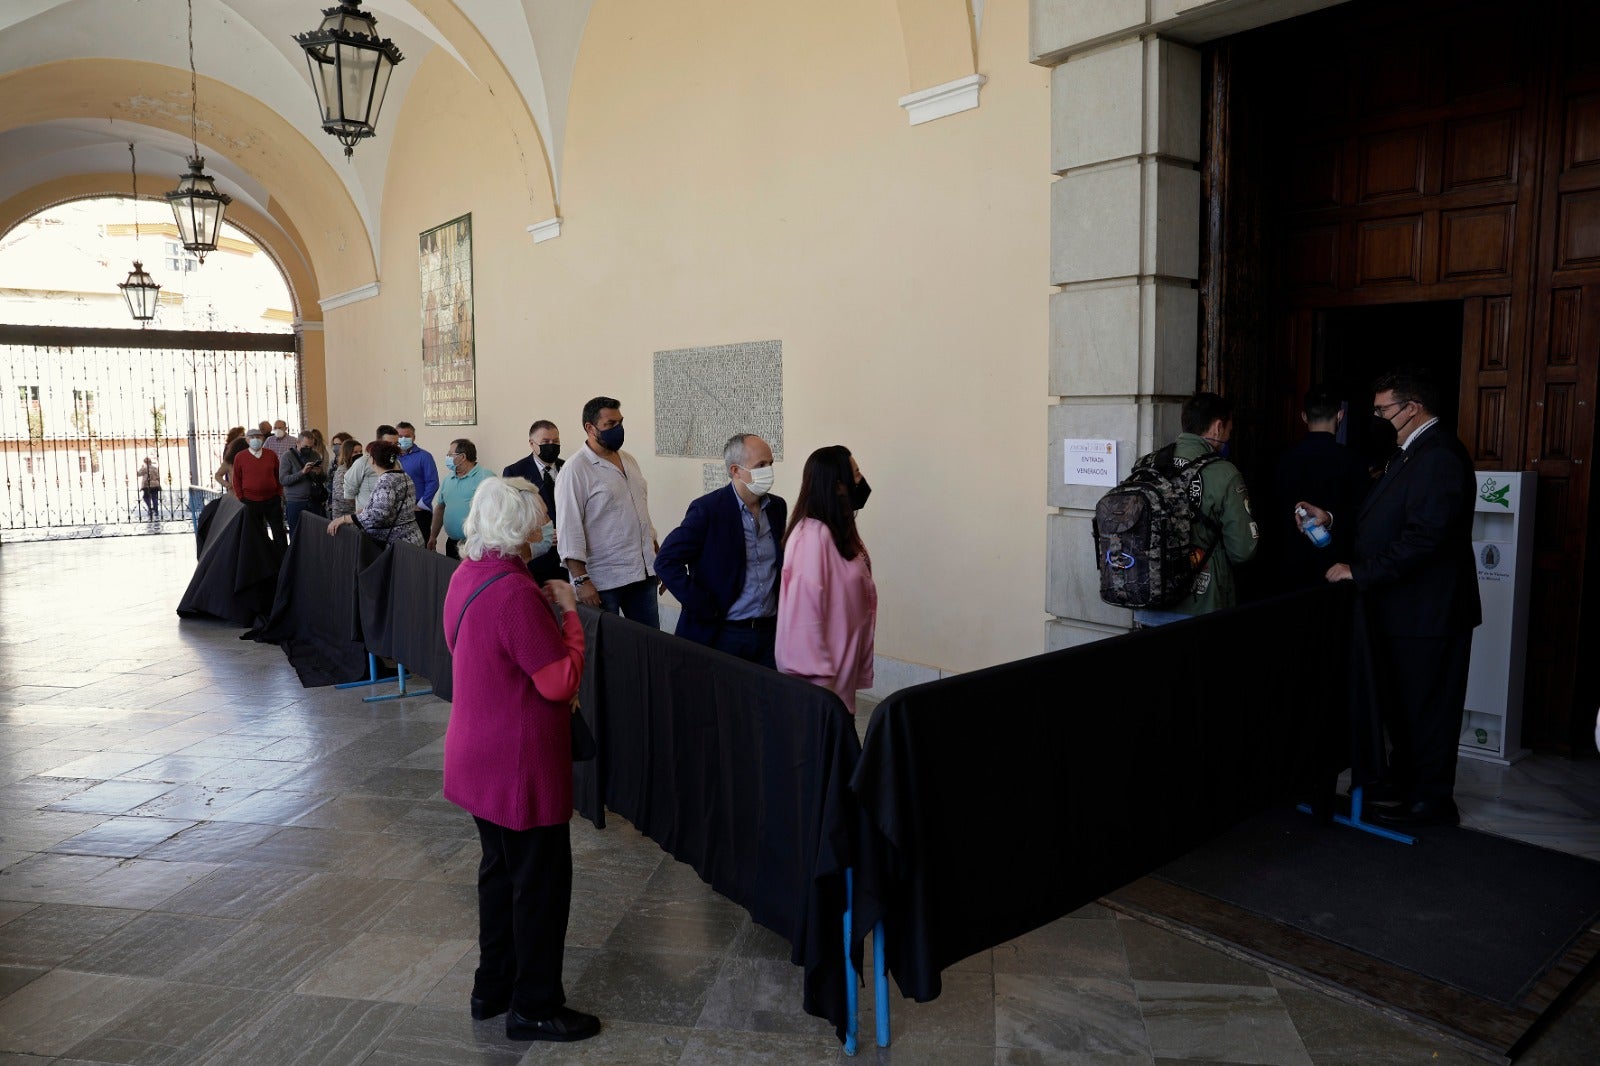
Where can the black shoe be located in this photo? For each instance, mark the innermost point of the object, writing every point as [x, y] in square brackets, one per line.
[564, 1025]
[488, 1008]
[1421, 813]
[1385, 794]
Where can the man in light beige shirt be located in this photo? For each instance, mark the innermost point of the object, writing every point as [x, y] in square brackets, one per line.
[608, 542]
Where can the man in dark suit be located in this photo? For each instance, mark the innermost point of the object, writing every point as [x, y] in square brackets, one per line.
[1414, 564]
[540, 466]
[723, 563]
[1319, 469]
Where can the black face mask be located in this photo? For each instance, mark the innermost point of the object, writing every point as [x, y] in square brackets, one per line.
[859, 492]
[549, 452]
[610, 439]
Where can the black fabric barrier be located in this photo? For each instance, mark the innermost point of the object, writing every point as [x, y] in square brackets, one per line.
[236, 574]
[742, 773]
[402, 610]
[316, 614]
[998, 801]
[589, 776]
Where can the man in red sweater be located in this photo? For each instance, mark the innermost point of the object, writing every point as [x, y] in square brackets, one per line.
[255, 482]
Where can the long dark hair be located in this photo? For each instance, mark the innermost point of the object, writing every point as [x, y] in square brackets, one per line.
[348, 450]
[826, 471]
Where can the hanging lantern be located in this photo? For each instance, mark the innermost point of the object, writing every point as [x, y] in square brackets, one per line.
[140, 290]
[350, 68]
[197, 206]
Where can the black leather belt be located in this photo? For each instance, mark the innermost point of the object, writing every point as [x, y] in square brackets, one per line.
[769, 622]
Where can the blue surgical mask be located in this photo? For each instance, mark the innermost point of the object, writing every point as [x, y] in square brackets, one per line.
[450, 463]
[547, 539]
[406, 444]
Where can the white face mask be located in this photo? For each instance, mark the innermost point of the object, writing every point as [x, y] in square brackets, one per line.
[256, 444]
[546, 541]
[761, 480]
[280, 433]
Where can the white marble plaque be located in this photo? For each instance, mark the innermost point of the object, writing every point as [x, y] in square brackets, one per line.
[706, 395]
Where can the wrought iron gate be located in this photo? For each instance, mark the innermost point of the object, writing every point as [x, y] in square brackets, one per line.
[81, 409]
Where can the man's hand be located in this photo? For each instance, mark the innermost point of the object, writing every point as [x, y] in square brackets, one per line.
[1313, 512]
[307, 468]
[433, 543]
[588, 595]
[1340, 572]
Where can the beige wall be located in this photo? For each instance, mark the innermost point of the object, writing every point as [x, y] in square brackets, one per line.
[740, 172]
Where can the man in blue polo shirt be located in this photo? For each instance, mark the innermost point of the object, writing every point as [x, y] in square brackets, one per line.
[418, 463]
[454, 499]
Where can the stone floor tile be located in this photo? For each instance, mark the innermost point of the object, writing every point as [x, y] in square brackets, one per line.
[963, 1015]
[1333, 1031]
[211, 842]
[618, 1041]
[15, 977]
[1157, 955]
[402, 782]
[1069, 946]
[308, 1029]
[101, 765]
[155, 945]
[359, 814]
[239, 890]
[705, 926]
[445, 1038]
[49, 934]
[143, 882]
[1080, 1015]
[315, 848]
[731, 1048]
[196, 801]
[31, 793]
[335, 900]
[176, 1025]
[272, 807]
[251, 774]
[759, 996]
[112, 797]
[51, 878]
[399, 969]
[174, 769]
[1225, 1023]
[266, 955]
[50, 1014]
[11, 910]
[433, 909]
[121, 837]
[229, 746]
[660, 989]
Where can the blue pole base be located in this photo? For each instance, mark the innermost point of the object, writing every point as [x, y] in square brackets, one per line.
[1354, 820]
[852, 1003]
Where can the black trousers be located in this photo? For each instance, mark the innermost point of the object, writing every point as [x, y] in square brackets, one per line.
[270, 512]
[1422, 688]
[524, 895]
[452, 547]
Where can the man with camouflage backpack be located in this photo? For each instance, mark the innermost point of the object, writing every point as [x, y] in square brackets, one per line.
[1221, 531]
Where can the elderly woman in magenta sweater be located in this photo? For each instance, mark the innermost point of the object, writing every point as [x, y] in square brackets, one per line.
[827, 602]
[518, 658]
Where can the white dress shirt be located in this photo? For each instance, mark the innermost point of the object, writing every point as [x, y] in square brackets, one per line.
[604, 517]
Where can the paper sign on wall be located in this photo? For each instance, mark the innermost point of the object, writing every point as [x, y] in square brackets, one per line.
[1089, 462]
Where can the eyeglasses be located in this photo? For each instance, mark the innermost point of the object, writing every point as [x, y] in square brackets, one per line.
[1379, 409]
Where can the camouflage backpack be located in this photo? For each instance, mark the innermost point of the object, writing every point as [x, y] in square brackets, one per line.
[1143, 531]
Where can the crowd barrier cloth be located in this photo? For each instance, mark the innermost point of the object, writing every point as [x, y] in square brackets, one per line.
[740, 772]
[402, 610]
[316, 614]
[998, 801]
[236, 574]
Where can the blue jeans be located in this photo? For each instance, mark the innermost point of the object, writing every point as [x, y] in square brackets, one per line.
[635, 601]
[292, 509]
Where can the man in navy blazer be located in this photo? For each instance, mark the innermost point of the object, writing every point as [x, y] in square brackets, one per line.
[1414, 565]
[540, 466]
[723, 563]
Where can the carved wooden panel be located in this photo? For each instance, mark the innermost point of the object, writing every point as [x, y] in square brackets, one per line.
[1495, 349]
[1313, 257]
[1551, 513]
[1578, 230]
[1390, 77]
[1481, 150]
[1560, 402]
[1582, 135]
[1315, 175]
[1391, 164]
[1388, 250]
[1489, 446]
[1476, 242]
[1566, 309]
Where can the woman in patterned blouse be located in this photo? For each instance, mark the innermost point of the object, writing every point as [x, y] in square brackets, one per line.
[338, 505]
[390, 516]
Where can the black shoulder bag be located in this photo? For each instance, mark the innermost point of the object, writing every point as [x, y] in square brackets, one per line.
[583, 744]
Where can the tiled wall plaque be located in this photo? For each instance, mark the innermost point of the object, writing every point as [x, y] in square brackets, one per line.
[705, 395]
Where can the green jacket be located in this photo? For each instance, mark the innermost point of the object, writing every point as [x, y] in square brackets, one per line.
[1226, 501]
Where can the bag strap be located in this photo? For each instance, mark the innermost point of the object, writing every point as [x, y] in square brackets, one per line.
[460, 614]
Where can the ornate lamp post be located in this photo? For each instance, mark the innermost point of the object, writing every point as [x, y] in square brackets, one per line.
[140, 290]
[350, 68]
[197, 206]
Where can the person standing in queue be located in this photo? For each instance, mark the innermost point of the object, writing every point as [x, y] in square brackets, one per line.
[827, 602]
[722, 564]
[540, 466]
[419, 465]
[1414, 563]
[255, 483]
[518, 659]
[454, 500]
[603, 518]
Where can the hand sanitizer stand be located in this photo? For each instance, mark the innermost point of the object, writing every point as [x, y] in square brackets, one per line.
[1502, 540]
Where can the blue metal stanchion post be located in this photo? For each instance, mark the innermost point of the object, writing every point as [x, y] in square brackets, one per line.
[1355, 821]
[372, 677]
[880, 985]
[852, 1004]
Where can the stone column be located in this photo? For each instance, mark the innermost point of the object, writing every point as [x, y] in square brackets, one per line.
[1125, 256]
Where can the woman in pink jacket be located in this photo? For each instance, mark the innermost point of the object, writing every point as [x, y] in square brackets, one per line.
[517, 660]
[827, 603]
